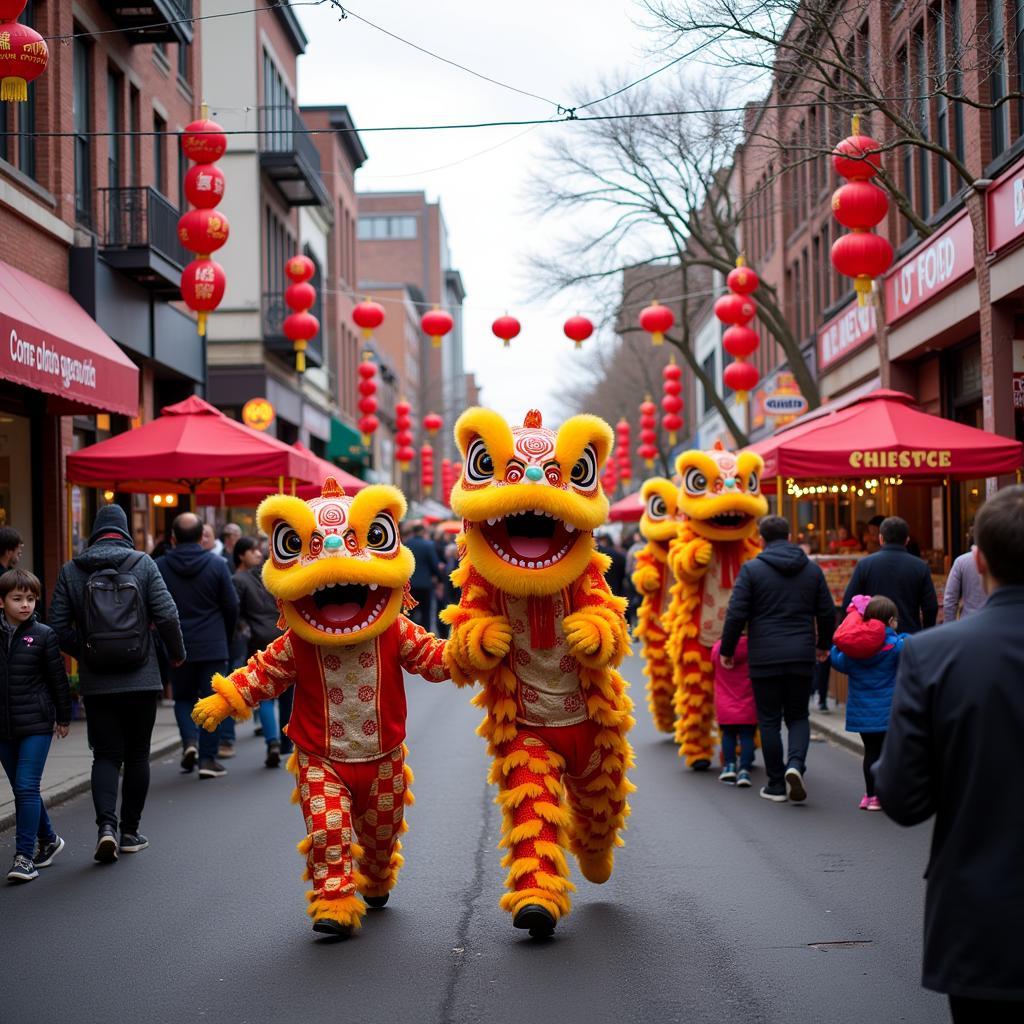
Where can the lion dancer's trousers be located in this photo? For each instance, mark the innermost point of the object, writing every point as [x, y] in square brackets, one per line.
[561, 789]
[660, 685]
[354, 813]
[695, 704]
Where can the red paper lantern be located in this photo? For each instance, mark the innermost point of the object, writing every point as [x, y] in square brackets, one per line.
[623, 433]
[742, 378]
[299, 268]
[436, 324]
[23, 55]
[203, 231]
[405, 454]
[742, 280]
[740, 342]
[610, 477]
[656, 319]
[204, 186]
[403, 434]
[432, 423]
[671, 403]
[204, 141]
[857, 157]
[367, 405]
[426, 468]
[735, 309]
[578, 329]
[368, 315]
[202, 288]
[505, 327]
[862, 255]
[403, 438]
[859, 205]
[368, 423]
[300, 296]
[367, 427]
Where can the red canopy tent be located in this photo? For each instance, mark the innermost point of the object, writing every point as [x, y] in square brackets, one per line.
[627, 510]
[191, 444]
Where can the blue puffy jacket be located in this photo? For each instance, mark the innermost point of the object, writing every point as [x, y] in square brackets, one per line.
[872, 681]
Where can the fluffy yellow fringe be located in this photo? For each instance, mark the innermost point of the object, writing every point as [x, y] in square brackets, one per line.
[223, 686]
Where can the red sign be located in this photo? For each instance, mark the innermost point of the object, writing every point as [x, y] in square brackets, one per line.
[1005, 203]
[931, 268]
[846, 332]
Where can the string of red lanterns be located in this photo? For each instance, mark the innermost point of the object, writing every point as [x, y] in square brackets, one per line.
[426, 468]
[578, 329]
[610, 477]
[436, 323]
[25, 54]
[656, 319]
[671, 399]
[860, 205]
[367, 316]
[404, 451]
[300, 326]
[737, 309]
[203, 230]
[648, 450]
[506, 327]
[623, 434]
[448, 477]
[368, 422]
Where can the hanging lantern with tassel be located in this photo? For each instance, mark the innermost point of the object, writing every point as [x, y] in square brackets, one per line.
[404, 451]
[737, 309]
[506, 327]
[368, 422]
[671, 400]
[656, 319]
[301, 327]
[648, 450]
[432, 423]
[23, 53]
[623, 442]
[426, 469]
[578, 329]
[436, 323]
[367, 316]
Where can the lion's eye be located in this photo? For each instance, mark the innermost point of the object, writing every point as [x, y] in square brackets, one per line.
[382, 536]
[479, 464]
[287, 543]
[584, 473]
[656, 508]
[752, 483]
[695, 481]
[514, 473]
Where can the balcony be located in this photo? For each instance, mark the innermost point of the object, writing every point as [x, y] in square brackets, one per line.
[289, 157]
[152, 21]
[138, 235]
[274, 311]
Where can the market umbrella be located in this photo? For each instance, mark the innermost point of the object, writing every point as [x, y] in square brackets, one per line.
[628, 509]
[190, 444]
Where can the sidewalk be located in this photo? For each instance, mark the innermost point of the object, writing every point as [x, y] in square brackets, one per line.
[70, 763]
[832, 727]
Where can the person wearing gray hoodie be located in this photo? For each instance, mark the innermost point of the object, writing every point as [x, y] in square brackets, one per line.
[120, 704]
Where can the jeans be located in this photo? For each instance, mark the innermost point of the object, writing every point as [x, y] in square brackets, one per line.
[779, 697]
[189, 682]
[120, 727]
[268, 712]
[742, 734]
[820, 681]
[23, 760]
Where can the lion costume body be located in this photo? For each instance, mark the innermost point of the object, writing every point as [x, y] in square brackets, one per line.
[537, 626]
[339, 572]
[719, 503]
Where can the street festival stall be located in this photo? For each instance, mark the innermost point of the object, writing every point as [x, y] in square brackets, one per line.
[834, 470]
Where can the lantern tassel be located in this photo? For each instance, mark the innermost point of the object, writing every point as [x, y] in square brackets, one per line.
[14, 90]
[672, 437]
[657, 338]
[366, 440]
[742, 397]
[367, 333]
[435, 340]
[201, 324]
[863, 286]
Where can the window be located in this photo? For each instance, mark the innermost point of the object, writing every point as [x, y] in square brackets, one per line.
[921, 119]
[1018, 29]
[80, 93]
[998, 85]
[708, 366]
[377, 228]
[182, 171]
[159, 154]
[278, 107]
[939, 46]
[279, 247]
[135, 123]
[907, 153]
[115, 124]
[184, 62]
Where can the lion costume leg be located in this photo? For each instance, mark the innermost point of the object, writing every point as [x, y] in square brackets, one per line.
[327, 808]
[660, 685]
[695, 705]
[535, 825]
[380, 823]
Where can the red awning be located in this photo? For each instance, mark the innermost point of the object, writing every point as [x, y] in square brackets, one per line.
[884, 434]
[190, 445]
[628, 509]
[49, 343]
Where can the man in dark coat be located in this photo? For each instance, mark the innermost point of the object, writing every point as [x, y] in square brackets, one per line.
[120, 706]
[615, 577]
[200, 583]
[782, 599]
[957, 716]
[424, 577]
[898, 575]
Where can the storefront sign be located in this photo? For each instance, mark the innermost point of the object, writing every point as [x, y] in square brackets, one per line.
[931, 268]
[785, 404]
[907, 459]
[1006, 211]
[257, 413]
[851, 329]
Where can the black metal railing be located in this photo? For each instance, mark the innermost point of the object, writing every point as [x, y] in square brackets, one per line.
[284, 131]
[140, 217]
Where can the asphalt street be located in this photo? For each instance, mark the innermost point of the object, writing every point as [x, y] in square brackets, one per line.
[722, 906]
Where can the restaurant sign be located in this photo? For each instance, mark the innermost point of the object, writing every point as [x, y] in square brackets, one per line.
[850, 330]
[784, 404]
[1005, 203]
[258, 413]
[907, 459]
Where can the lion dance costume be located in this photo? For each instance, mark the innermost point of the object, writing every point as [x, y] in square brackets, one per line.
[652, 579]
[719, 504]
[339, 573]
[538, 628]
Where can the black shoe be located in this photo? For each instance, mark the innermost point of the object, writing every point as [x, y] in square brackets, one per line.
[795, 788]
[823, 708]
[702, 765]
[331, 928]
[273, 754]
[775, 791]
[106, 847]
[536, 919]
[133, 842]
[47, 850]
[210, 769]
[22, 869]
[377, 901]
[189, 758]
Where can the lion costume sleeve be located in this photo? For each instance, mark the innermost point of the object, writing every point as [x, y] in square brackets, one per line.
[537, 627]
[719, 503]
[339, 573]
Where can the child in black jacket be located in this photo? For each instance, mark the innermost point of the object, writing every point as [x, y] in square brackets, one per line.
[35, 704]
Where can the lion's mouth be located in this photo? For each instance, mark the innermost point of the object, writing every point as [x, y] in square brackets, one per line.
[341, 608]
[530, 540]
[730, 520]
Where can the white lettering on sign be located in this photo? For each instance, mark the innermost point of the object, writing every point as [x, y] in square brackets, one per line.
[845, 333]
[784, 405]
[1018, 202]
[45, 359]
[928, 271]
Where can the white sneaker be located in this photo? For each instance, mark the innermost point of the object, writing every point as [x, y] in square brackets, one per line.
[795, 789]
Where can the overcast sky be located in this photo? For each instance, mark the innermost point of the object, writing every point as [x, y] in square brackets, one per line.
[555, 48]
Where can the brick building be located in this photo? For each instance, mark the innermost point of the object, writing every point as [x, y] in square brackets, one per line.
[91, 217]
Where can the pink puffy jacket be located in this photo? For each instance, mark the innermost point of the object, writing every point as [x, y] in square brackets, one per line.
[734, 696]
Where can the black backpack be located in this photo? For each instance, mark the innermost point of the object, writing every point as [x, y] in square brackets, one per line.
[115, 623]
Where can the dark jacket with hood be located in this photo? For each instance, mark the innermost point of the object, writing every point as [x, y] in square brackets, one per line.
[200, 583]
[905, 579]
[34, 691]
[257, 609]
[109, 545]
[780, 597]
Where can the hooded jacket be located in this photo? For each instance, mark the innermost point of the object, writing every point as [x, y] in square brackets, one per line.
[898, 575]
[68, 607]
[200, 583]
[34, 689]
[782, 599]
[872, 681]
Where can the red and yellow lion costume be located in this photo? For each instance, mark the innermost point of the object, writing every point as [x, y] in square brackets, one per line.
[719, 503]
[652, 579]
[339, 572]
[537, 626]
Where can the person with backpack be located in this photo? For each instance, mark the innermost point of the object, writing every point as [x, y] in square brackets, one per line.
[105, 606]
[200, 584]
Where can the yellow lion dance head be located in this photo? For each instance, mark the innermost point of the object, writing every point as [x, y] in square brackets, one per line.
[720, 493]
[530, 498]
[337, 564]
[659, 522]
